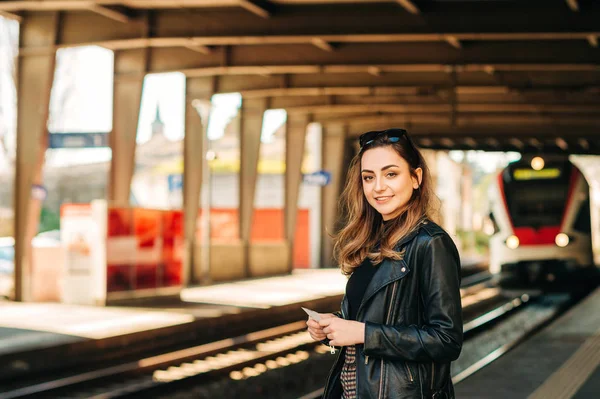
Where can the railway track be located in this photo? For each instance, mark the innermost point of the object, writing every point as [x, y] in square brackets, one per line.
[208, 361]
[502, 309]
[237, 358]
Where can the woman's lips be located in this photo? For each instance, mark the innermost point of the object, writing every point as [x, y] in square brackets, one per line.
[383, 199]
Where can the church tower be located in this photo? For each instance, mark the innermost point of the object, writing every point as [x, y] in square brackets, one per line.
[158, 126]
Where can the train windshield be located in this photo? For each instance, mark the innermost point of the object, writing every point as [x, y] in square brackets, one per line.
[536, 198]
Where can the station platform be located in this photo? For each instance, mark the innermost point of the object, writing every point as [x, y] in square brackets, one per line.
[560, 362]
[35, 337]
[40, 337]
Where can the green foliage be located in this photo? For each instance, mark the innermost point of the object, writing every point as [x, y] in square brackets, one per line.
[474, 241]
[49, 220]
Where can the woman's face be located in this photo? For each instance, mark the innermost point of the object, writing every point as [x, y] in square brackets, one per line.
[386, 180]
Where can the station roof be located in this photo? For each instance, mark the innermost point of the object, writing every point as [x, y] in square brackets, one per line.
[458, 74]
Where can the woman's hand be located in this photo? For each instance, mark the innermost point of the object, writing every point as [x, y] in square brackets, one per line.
[342, 332]
[315, 330]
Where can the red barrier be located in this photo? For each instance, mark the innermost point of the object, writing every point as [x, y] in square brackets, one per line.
[144, 249]
[145, 246]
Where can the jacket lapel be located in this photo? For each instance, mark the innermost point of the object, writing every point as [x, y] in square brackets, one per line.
[388, 272]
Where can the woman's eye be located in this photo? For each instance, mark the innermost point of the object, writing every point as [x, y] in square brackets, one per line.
[392, 174]
[367, 178]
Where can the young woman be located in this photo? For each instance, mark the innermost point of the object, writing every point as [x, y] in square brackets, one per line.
[400, 323]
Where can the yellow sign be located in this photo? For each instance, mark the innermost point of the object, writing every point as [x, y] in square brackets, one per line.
[530, 174]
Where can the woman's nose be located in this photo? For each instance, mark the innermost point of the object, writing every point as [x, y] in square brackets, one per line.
[379, 185]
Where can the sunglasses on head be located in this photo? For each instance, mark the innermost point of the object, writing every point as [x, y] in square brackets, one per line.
[392, 135]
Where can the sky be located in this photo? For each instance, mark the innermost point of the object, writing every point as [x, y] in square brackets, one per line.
[81, 101]
[8, 114]
[88, 70]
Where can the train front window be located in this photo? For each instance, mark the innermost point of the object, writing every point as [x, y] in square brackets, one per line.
[537, 201]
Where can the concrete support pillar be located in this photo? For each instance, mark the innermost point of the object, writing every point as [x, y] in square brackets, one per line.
[130, 68]
[294, 155]
[251, 127]
[198, 95]
[334, 137]
[35, 77]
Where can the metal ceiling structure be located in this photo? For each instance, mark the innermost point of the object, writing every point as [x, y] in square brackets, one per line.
[459, 74]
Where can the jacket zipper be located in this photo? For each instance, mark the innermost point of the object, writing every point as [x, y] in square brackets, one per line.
[330, 374]
[432, 374]
[410, 376]
[365, 299]
[389, 311]
[387, 321]
[327, 383]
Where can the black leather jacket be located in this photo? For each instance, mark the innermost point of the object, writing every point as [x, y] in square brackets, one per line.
[412, 311]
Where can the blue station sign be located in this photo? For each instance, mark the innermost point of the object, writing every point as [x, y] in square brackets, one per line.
[78, 140]
[319, 178]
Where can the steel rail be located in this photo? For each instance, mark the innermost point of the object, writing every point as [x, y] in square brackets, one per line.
[159, 361]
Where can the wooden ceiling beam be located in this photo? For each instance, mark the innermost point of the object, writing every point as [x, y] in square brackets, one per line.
[509, 122]
[491, 136]
[409, 6]
[200, 49]
[254, 8]
[470, 141]
[100, 6]
[109, 13]
[373, 70]
[322, 44]
[465, 90]
[374, 91]
[447, 142]
[533, 109]
[573, 5]
[517, 143]
[367, 69]
[55, 5]
[453, 41]
[560, 142]
[65, 5]
[10, 15]
[321, 41]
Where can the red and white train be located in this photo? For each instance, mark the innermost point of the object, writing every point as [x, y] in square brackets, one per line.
[540, 211]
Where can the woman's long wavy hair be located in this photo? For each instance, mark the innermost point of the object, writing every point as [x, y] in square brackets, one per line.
[364, 228]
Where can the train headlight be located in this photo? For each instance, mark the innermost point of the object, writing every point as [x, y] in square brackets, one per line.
[537, 163]
[562, 240]
[512, 242]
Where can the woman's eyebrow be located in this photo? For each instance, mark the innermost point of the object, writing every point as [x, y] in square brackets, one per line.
[384, 168]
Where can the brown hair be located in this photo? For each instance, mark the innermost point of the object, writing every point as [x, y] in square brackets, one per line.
[363, 228]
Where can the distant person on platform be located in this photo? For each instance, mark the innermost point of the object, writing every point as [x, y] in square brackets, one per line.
[400, 323]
